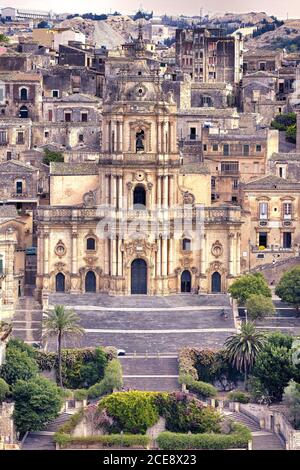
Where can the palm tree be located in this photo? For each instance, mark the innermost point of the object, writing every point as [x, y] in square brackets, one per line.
[61, 322]
[242, 348]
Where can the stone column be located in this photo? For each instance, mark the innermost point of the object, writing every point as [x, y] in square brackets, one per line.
[119, 267]
[238, 254]
[107, 189]
[120, 191]
[114, 191]
[113, 257]
[106, 255]
[171, 191]
[203, 255]
[129, 195]
[162, 137]
[158, 132]
[74, 251]
[121, 136]
[231, 254]
[46, 252]
[158, 257]
[171, 256]
[158, 192]
[165, 191]
[164, 256]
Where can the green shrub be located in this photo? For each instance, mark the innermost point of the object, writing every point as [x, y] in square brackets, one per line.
[133, 412]
[203, 389]
[184, 413]
[208, 366]
[258, 306]
[112, 380]
[52, 156]
[238, 439]
[119, 440]
[4, 390]
[81, 368]
[69, 426]
[37, 402]
[283, 121]
[80, 394]
[239, 397]
[18, 366]
[249, 284]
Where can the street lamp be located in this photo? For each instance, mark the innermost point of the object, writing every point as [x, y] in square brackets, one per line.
[246, 315]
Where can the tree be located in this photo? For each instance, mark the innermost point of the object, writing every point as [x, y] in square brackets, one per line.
[291, 398]
[37, 401]
[247, 285]
[274, 368]
[291, 133]
[258, 306]
[4, 390]
[60, 323]
[18, 365]
[288, 288]
[4, 39]
[243, 348]
[51, 156]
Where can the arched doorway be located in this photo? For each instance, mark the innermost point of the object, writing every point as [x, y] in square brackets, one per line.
[139, 198]
[216, 282]
[90, 282]
[60, 282]
[186, 281]
[23, 113]
[138, 276]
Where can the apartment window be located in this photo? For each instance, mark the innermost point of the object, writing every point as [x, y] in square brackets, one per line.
[287, 210]
[226, 150]
[8, 155]
[80, 138]
[193, 133]
[213, 182]
[84, 117]
[258, 148]
[55, 93]
[287, 240]
[67, 117]
[204, 147]
[263, 239]
[215, 147]
[246, 150]
[50, 115]
[20, 138]
[229, 168]
[1, 264]
[186, 244]
[263, 210]
[23, 94]
[19, 187]
[262, 66]
[234, 199]
[235, 183]
[3, 137]
[46, 134]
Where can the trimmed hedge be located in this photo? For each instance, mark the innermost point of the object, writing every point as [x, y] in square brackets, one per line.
[239, 397]
[120, 440]
[203, 389]
[238, 439]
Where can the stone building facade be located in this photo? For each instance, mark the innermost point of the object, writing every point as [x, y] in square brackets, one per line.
[128, 224]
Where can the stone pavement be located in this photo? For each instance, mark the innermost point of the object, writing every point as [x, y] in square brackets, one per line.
[27, 320]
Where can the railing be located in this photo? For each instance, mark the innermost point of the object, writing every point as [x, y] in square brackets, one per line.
[270, 248]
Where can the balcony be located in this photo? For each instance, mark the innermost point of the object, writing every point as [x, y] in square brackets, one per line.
[271, 249]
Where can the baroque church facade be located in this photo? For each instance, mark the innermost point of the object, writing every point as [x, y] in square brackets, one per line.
[138, 220]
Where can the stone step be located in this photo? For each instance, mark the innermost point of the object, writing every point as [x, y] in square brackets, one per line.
[38, 442]
[149, 366]
[152, 384]
[267, 442]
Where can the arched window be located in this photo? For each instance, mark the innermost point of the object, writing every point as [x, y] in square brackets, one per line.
[139, 141]
[23, 94]
[23, 112]
[186, 244]
[90, 244]
[139, 198]
[60, 282]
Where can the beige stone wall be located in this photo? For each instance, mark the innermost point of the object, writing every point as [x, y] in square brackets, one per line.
[69, 190]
